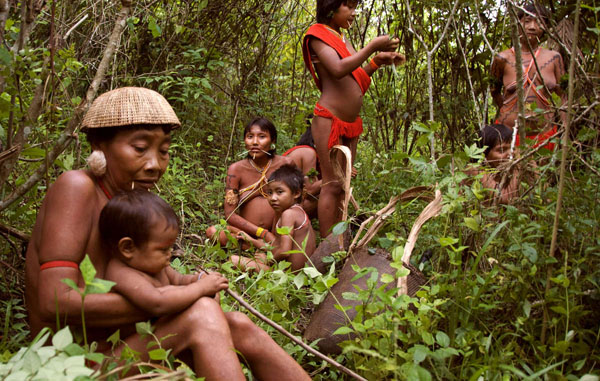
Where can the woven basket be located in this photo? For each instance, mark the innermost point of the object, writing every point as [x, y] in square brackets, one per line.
[129, 106]
[327, 319]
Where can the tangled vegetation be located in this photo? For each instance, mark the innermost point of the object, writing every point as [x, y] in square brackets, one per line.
[498, 304]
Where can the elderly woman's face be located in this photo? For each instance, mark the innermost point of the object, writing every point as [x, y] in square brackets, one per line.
[136, 158]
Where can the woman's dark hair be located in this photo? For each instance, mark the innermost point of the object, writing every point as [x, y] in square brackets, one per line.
[306, 139]
[291, 176]
[326, 9]
[266, 126]
[99, 135]
[536, 9]
[494, 134]
[132, 214]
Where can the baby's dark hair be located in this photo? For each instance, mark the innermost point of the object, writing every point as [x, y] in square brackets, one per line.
[132, 214]
[266, 126]
[537, 9]
[306, 139]
[326, 8]
[493, 134]
[291, 176]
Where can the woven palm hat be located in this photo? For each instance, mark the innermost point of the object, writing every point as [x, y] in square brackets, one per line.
[129, 106]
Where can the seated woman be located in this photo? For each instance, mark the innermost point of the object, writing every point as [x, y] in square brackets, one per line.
[129, 130]
[246, 208]
[304, 154]
[537, 85]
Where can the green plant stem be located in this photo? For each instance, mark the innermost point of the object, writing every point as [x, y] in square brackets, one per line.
[563, 166]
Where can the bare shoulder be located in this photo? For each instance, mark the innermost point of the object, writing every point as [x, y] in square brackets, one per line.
[278, 161]
[292, 217]
[72, 186]
[236, 167]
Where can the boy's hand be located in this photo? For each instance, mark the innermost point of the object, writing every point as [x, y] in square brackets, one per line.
[389, 58]
[213, 283]
[243, 235]
[385, 43]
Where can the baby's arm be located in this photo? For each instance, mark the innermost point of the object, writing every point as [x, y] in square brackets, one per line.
[284, 243]
[159, 301]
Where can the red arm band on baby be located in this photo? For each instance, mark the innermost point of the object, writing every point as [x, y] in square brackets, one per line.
[51, 264]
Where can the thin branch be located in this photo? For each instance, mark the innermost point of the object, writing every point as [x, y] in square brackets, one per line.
[296, 340]
[563, 165]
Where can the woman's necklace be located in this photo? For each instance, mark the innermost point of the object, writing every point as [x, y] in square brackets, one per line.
[258, 169]
[340, 35]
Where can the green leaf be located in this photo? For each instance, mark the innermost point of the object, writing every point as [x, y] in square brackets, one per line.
[71, 283]
[340, 228]
[95, 357]
[143, 328]
[153, 27]
[88, 272]
[284, 230]
[526, 307]
[157, 354]
[472, 224]
[420, 353]
[74, 349]
[62, 338]
[300, 280]
[387, 278]
[343, 331]
[5, 56]
[311, 272]
[115, 337]
[99, 286]
[447, 241]
[442, 339]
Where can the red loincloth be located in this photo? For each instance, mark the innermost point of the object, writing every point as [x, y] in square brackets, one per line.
[541, 138]
[322, 33]
[339, 128]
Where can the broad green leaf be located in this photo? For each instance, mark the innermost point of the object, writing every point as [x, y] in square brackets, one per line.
[343, 331]
[88, 272]
[300, 280]
[284, 230]
[311, 272]
[143, 328]
[447, 241]
[442, 339]
[99, 286]
[5, 56]
[526, 308]
[387, 278]
[472, 224]
[340, 228]
[157, 354]
[420, 353]
[62, 338]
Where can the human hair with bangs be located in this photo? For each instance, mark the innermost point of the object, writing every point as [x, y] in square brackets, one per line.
[326, 8]
[493, 135]
[536, 9]
[132, 214]
[291, 176]
[266, 126]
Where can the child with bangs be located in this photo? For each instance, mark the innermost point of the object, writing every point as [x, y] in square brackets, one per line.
[139, 229]
[284, 191]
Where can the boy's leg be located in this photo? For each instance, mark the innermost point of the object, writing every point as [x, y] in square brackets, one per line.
[331, 191]
[203, 328]
[267, 360]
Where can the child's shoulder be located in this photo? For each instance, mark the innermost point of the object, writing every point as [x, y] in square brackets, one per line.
[294, 214]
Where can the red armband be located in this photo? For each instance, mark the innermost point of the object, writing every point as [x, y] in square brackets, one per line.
[51, 264]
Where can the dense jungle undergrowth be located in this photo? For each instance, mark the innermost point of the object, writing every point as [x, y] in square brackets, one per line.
[497, 305]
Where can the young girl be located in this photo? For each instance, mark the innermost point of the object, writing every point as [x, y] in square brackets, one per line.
[139, 229]
[336, 69]
[284, 192]
[497, 139]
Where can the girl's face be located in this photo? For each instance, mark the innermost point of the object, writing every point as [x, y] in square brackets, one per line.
[498, 154]
[136, 158]
[344, 16]
[281, 196]
[258, 142]
[531, 28]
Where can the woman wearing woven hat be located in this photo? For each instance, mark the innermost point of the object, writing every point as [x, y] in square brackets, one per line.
[129, 130]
